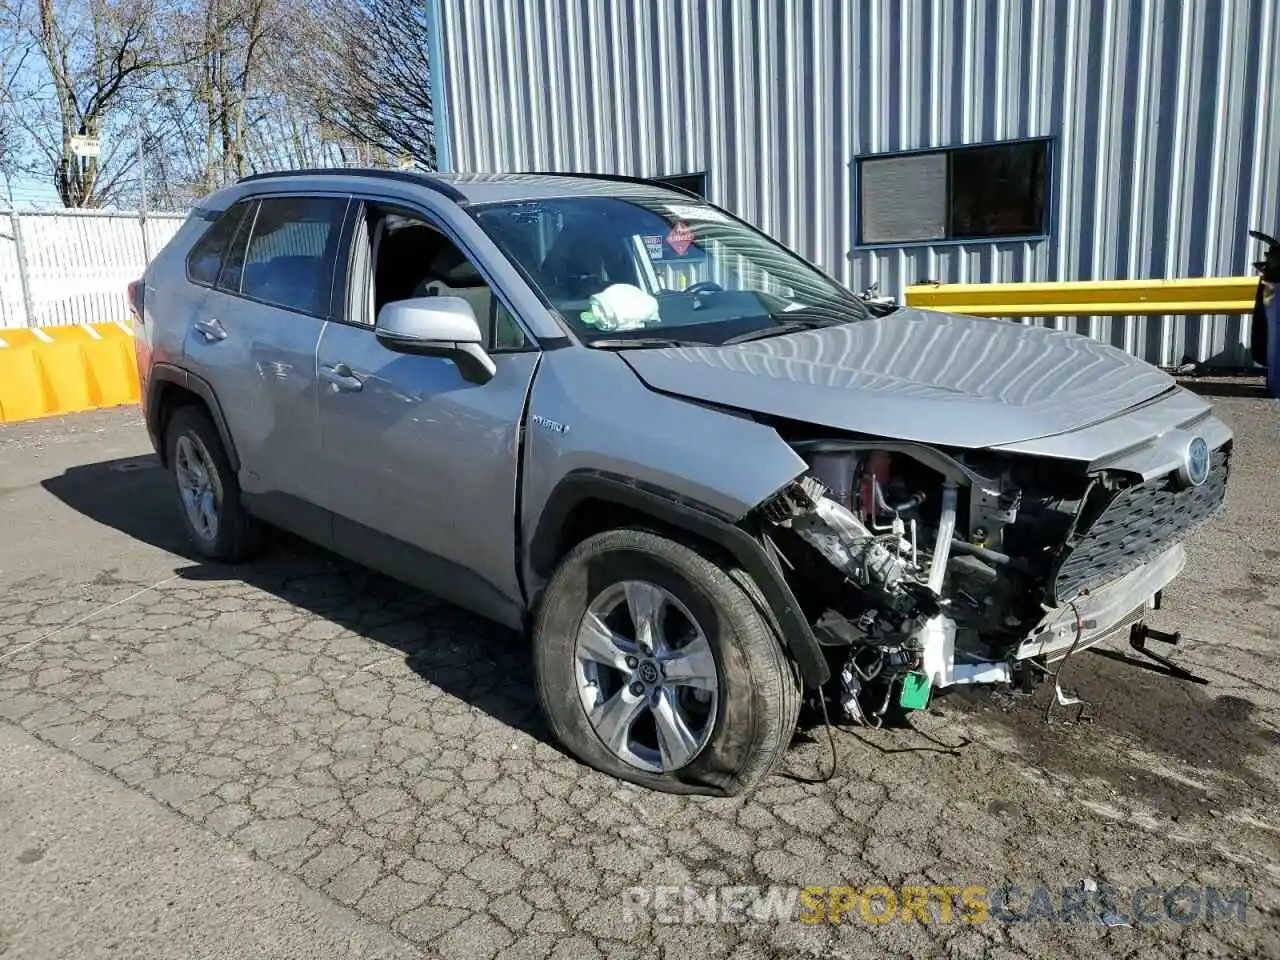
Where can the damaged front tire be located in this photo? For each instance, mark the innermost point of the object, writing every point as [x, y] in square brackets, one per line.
[655, 666]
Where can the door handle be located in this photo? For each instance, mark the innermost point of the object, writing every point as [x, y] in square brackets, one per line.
[211, 329]
[342, 378]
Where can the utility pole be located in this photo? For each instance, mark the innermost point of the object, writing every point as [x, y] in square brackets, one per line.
[142, 190]
[20, 254]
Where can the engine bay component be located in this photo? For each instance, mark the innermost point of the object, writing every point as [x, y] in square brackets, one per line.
[872, 675]
[946, 529]
[912, 562]
[936, 638]
[842, 538]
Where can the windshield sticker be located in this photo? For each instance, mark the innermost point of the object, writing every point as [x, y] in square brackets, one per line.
[681, 238]
[679, 245]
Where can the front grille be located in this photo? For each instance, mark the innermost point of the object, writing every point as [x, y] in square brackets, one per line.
[1138, 523]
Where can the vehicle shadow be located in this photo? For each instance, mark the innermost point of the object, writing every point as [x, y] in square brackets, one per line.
[1176, 744]
[480, 663]
[1250, 386]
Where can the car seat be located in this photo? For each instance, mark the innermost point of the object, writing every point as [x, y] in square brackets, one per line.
[399, 256]
[452, 275]
[584, 259]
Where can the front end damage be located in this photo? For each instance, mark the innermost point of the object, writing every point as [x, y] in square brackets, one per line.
[922, 568]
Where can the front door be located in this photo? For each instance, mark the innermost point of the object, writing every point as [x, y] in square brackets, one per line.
[254, 339]
[421, 464]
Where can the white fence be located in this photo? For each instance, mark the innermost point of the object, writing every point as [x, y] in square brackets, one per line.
[64, 267]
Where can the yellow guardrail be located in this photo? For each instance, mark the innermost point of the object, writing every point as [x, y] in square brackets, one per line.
[45, 371]
[1097, 298]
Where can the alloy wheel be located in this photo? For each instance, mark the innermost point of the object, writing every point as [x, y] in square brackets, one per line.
[646, 675]
[198, 485]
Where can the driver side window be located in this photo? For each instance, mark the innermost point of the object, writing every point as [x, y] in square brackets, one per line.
[397, 255]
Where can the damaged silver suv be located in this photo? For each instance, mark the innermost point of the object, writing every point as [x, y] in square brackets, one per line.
[703, 475]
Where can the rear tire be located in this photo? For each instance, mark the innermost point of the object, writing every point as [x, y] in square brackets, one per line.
[208, 492]
[695, 725]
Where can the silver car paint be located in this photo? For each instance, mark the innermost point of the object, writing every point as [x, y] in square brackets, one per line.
[168, 307]
[264, 375]
[589, 412]
[421, 454]
[916, 375]
[1148, 440]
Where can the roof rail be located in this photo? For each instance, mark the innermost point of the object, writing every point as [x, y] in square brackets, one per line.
[618, 177]
[404, 176]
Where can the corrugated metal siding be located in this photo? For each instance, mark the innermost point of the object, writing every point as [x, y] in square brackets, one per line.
[1166, 149]
[79, 265]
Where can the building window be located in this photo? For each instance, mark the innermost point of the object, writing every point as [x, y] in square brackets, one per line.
[692, 182]
[987, 192]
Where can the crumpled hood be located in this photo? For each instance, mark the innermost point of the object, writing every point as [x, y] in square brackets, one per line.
[916, 375]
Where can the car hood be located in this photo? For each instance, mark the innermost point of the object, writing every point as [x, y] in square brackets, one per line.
[915, 375]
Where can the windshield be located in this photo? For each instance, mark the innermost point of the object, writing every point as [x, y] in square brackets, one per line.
[652, 270]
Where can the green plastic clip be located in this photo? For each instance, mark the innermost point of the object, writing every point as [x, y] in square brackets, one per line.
[914, 694]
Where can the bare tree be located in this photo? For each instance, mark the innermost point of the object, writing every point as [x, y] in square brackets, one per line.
[233, 106]
[237, 37]
[205, 91]
[287, 135]
[97, 55]
[366, 75]
[13, 53]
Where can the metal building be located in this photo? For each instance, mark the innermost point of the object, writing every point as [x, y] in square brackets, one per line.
[1124, 138]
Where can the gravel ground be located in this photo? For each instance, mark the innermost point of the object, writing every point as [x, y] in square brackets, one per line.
[301, 758]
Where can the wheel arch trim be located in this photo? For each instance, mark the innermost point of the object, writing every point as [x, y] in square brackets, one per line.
[164, 374]
[703, 522]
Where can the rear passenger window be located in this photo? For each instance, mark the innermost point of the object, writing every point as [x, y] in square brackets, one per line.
[207, 255]
[291, 252]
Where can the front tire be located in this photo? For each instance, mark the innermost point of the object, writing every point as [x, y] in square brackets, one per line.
[655, 666]
[208, 492]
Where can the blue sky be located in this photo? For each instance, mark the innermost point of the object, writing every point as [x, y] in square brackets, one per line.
[28, 192]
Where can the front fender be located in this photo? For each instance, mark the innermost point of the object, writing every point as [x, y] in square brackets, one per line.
[594, 431]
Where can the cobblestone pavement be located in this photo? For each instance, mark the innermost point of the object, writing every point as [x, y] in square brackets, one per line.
[386, 749]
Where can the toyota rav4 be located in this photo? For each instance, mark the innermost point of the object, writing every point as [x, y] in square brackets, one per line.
[704, 477]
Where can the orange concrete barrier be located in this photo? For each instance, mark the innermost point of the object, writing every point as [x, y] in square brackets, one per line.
[46, 371]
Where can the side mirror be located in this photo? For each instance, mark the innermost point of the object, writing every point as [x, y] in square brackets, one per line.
[437, 327]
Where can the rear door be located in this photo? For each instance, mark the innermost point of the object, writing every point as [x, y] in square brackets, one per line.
[254, 339]
[421, 464]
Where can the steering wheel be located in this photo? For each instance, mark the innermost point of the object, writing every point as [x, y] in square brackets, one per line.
[704, 286]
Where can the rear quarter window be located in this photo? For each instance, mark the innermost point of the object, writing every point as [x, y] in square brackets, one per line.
[204, 263]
